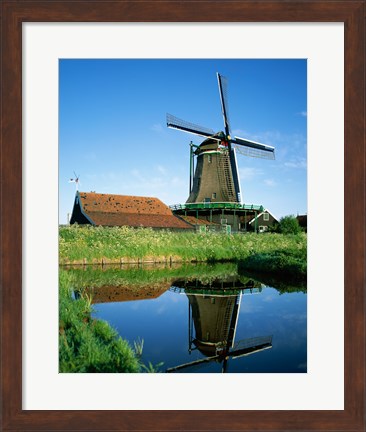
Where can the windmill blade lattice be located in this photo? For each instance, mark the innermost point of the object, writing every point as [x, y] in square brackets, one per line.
[242, 348]
[252, 342]
[177, 123]
[222, 82]
[253, 152]
[253, 149]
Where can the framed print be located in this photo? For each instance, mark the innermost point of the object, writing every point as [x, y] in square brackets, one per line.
[40, 50]
[329, 36]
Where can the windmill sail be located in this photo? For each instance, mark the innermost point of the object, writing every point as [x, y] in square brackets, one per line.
[177, 123]
[235, 171]
[222, 82]
[253, 149]
[256, 345]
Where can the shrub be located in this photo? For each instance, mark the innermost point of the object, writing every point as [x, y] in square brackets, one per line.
[289, 225]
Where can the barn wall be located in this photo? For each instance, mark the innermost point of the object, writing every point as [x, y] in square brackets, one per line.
[77, 215]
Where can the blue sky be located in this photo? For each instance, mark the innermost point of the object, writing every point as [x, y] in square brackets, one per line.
[112, 127]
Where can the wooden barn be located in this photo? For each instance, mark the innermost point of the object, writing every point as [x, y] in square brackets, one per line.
[303, 221]
[263, 221]
[123, 210]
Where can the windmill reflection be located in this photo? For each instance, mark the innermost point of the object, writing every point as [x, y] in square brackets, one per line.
[213, 313]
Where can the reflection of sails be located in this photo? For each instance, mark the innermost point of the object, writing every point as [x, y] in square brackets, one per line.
[214, 313]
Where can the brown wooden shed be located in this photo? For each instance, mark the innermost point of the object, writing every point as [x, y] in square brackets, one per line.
[124, 210]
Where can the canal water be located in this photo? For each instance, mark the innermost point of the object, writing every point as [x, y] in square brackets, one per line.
[203, 318]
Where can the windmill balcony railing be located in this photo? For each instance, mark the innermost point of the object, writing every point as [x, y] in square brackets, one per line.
[217, 292]
[216, 205]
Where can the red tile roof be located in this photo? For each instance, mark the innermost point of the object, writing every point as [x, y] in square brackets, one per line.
[135, 211]
[120, 293]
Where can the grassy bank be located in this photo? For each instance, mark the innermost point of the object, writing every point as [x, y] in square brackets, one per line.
[86, 344]
[93, 244]
[281, 263]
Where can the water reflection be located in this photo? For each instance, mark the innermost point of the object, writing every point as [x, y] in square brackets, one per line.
[212, 323]
[227, 315]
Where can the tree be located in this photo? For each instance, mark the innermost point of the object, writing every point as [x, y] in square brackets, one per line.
[289, 225]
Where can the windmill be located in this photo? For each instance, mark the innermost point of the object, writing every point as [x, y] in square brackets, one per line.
[215, 318]
[216, 177]
[75, 180]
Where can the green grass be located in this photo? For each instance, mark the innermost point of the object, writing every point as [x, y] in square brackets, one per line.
[281, 263]
[78, 243]
[86, 344]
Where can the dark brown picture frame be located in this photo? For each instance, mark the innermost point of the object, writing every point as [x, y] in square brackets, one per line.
[16, 12]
